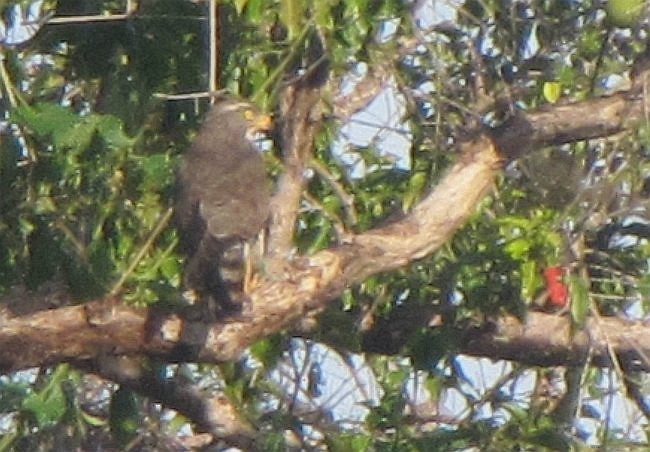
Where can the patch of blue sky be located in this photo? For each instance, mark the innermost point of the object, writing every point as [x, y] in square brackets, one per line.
[322, 381]
[428, 14]
[380, 126]
[21, 26]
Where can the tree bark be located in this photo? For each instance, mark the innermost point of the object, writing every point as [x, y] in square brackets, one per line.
[307, 284]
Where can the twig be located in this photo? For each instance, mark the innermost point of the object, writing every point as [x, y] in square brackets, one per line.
[214, 413]
[77, 244]
[129, 15]
[86, 19]
[214, 45]
[635, 392]
[279, 70]
[344, 196]
[301, 118]
[147, 245]
[6, 80]
[186, 96]
[338, 225]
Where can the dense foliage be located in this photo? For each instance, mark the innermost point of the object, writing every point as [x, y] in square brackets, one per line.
[87, 159]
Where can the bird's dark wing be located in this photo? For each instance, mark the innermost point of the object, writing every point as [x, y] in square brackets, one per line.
[223, 201]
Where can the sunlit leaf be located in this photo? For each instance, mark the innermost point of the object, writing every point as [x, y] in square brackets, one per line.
[50, 404]
[416, 186]
[292, 14]
[552, 91]
[518, 248]
[240, 5]
[529, 279]
[580, 302]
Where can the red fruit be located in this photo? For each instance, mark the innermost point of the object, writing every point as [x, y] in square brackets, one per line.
[558, 293]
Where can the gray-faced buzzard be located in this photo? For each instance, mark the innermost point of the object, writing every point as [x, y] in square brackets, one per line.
[223, 202]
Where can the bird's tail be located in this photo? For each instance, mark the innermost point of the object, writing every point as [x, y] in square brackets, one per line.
[216, 274]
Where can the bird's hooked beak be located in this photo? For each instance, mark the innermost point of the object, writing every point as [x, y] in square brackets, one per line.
[260, 122]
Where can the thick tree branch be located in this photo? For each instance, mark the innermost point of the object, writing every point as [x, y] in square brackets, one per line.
[542, 340]
[307, 284]
[547, 340]
[108, 327]
[560, 124]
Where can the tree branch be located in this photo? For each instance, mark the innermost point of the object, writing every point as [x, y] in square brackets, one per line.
[546, 340]
[568, 123]
[301, 117]
[307, 284]
[212, 411]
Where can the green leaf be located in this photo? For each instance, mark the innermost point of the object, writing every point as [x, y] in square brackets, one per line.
[111, 129]
[177, 422]
[77, 136]
[157, 171]
[268, 350]
[414, 189]
[434, 386]
[349, 442]
[124, 418]
[26, 226]
[552, 240]
[348, 300]
[240, 5]
[323, 14]
[291, 15]
[644, 286]
[170, 267]
[514, 222]
[45, 119]
[624, 13]
[254, 10]
[579, 299]
[50, 404]
[332, 204]
[92, 420]
[518, 248]
[70, 130]
[552, 91]
[529, 279]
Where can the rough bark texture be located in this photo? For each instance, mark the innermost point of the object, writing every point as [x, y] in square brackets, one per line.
[548, 340]
[306, 284]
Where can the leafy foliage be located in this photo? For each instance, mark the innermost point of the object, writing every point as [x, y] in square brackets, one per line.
[87, 174]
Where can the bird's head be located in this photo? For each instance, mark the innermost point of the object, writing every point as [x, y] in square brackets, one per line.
[239, 117]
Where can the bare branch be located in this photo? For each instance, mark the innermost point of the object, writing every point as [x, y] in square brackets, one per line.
[560, 124]
[301, 117]
[213, 413]
[547, 340]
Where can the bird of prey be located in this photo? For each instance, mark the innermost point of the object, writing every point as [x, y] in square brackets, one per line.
[223, 203]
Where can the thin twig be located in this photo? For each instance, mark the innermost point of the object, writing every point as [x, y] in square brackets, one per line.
[337, 224]
[86, 19]
[147, 245]
[214, 45]
[77, 244]
[344, 196]
[6, 80]
[186, 96]
[116, 17]
[280, 68]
